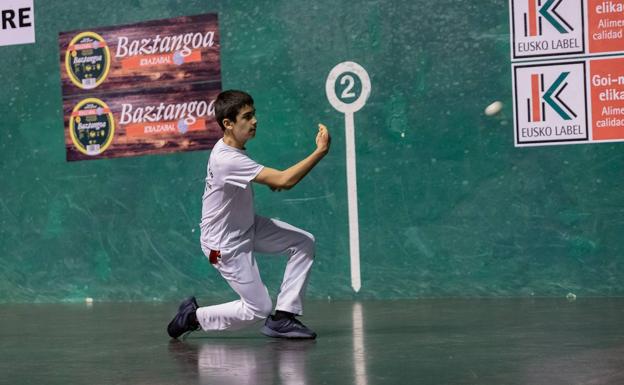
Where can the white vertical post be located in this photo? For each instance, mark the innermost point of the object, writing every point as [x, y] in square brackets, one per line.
[349, 109]
[354, 232]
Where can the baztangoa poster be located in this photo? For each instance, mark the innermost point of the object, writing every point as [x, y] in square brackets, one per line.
[144, 88]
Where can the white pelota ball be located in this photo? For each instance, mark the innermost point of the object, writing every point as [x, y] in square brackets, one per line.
[494, 108]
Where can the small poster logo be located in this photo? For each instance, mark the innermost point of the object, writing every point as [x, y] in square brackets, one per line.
[548, 12]
[536, 103]
[87, 60]
[91, 126]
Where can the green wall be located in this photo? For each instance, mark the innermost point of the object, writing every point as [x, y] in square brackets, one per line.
[448, 206]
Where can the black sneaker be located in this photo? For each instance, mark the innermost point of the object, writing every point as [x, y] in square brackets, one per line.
[286, 328]
[185, 320]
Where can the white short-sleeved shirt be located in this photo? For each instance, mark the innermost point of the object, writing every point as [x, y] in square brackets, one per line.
[227, 203]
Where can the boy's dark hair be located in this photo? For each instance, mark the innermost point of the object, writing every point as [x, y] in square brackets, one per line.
[229, 103]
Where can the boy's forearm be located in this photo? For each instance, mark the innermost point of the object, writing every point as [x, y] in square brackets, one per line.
[297, 172]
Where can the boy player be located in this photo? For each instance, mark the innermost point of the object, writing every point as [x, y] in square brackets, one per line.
[231, 232]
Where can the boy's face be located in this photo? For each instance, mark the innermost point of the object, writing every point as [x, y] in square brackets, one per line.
[244, 128]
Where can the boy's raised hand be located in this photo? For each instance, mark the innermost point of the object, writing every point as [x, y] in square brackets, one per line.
[323, 140]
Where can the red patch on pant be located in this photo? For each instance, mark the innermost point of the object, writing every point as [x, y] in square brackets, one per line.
[215, 256]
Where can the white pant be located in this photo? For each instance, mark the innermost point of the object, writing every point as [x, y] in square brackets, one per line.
[239, 268]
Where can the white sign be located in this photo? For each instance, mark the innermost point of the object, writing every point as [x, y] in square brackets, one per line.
[550, 103]
[345, 76]
[546, 28]
[17, 22]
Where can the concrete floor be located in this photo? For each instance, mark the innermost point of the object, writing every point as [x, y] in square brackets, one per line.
[425, 342]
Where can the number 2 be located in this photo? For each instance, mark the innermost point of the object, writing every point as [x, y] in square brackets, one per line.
[347, 92]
